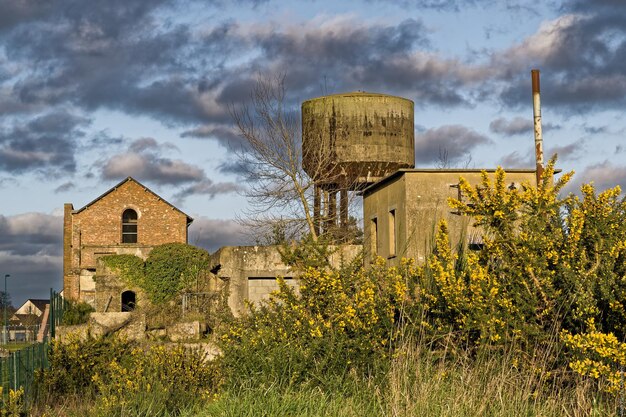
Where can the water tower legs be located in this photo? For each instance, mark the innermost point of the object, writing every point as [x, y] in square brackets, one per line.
[343, 207]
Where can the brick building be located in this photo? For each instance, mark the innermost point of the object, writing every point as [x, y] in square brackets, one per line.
[127, 219]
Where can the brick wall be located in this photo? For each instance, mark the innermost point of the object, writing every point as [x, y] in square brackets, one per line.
[96, 230]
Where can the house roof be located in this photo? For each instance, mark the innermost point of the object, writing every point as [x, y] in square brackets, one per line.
[371, 188]
[39, 303]
[26, 319]
[189, 218]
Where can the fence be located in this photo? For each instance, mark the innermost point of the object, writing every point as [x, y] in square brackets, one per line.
[58, 304]
[19, 369]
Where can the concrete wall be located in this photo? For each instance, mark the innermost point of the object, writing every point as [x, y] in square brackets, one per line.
[419, 199]
[95, 231]
[250, 271]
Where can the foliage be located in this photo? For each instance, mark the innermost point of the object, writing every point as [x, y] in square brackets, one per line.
[156, 381]
[172, 267]
[169, 269]
[76, 313]
[129, 267]
[121, 378]
[547, 263]
[13, 405]
[73, 364]
[338, 322]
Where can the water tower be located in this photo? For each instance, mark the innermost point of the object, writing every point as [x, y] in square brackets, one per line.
[352, 140]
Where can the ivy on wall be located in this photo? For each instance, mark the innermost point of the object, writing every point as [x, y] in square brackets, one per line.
[169, 269]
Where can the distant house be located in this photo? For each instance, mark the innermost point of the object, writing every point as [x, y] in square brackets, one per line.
[32, 306]
[24, 324]
[128, 219]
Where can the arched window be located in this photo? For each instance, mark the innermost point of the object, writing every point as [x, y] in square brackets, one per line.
[128, 301]
[129, 226]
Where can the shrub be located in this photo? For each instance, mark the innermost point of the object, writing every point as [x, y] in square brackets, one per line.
[339, 322]
[173, 267]
[76, 313]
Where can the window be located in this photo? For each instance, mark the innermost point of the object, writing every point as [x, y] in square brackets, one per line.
[129, 226]
[392, 233]
[374, 237]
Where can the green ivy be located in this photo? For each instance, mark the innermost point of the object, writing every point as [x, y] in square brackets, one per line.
[172, 267]
[129, 267]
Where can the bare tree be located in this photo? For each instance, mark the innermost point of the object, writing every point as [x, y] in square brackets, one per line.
[280, 192]
[278, 189]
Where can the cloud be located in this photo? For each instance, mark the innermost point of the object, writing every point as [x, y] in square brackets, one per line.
[604, 175]
[43, 144]
[517, 126]
[451, 143]
[517, 160]
[208, 187]
[67, 186]
[143, 161]
[32, 276]
[31, 234]
[212, 234]
[569, 152]
[581, 56]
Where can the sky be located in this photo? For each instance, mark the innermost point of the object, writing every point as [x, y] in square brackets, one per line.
[94, 91]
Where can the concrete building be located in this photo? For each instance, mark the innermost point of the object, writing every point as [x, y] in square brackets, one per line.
[250, 272]
[401, 211]
[127, 219]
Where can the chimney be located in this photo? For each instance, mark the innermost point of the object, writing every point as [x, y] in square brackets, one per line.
[537, 122]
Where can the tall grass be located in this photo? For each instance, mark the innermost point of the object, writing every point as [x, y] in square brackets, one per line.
[423, 382]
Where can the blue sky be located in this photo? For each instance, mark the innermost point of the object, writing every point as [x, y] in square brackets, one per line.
[92, 92]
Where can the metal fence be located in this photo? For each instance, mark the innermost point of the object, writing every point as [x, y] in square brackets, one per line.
[58, 304]
[19, 368]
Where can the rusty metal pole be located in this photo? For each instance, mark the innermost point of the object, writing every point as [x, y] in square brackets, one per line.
[537, 122]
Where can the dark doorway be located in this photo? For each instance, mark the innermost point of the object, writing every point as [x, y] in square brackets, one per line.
[128, 301]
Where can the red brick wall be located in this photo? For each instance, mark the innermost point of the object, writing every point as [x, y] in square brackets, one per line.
[158, 222]
[100, 224]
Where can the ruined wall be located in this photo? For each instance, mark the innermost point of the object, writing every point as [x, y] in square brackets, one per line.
[419, 199]
[250, 271]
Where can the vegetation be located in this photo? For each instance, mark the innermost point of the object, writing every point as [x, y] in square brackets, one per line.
[76, 313]
[169, 269]
[531, 324]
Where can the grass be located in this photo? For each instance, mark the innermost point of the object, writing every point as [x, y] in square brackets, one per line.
[428, 384]
[12, 347]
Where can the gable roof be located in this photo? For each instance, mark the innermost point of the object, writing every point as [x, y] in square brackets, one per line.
[128, 179]
[39, 303]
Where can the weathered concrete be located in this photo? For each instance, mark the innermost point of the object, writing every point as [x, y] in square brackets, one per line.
[186, 331]
[414, 200]
[250, 271]
[356, 138]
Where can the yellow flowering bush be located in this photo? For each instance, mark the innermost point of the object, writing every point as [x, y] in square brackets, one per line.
[13, 405]
[161, 379]
[337, 321]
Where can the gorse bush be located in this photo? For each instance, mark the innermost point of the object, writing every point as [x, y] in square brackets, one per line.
[338, 322]
[122, 378]
[155, 381]
[548, 264]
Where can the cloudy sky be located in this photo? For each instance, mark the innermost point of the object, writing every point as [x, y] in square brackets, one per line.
[94, 91]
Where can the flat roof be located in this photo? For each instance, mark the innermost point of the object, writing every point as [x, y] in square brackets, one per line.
[403, 171]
